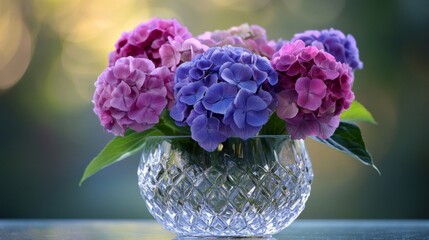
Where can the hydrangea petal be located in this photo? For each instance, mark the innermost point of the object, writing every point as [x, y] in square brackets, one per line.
[257, 118]
[255, 103]
[287, 104]
[121, 70]
[241, 99]
[205, 131]
[169, 56]
[249, 85]
[148, 108]
[267, 97]
[328, 125]
[239, 74]
[192, 93]
[310, 92]
[302, 125]
[218, 97]
[196, 73]
[204, 64]
[259, 76]
[240, 118]
[178, 111]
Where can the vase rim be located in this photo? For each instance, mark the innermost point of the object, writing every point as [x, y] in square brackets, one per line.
[255, 137]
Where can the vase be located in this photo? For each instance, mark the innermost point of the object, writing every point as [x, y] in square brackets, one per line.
[245, 188]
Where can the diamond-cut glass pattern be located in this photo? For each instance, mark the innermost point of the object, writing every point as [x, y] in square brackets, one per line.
[253, 187]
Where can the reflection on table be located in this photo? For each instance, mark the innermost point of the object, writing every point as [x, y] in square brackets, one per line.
[148, 229]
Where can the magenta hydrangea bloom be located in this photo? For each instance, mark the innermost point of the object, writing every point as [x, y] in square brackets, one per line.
[151, 40]
[224, 92]
[252, 37]
[335, 42]
[312, 91]
[132, 94]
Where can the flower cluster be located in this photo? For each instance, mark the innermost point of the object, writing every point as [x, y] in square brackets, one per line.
[312, 91]
[131, 94]
[222, 93]
[251, 37]
[226, 83]
[229, 83]
[333, 41]
[149, 40]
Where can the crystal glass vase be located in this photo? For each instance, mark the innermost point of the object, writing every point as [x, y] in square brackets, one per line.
[253, 187]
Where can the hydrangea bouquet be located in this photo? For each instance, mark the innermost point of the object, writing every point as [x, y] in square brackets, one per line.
[163, 81]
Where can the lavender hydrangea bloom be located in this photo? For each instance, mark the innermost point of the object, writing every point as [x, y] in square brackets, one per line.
[224, 92]
[312, 91]
[131, 94]
[252, 37]
[342, 47]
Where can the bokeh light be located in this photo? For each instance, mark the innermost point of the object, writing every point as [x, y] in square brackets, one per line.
[15, 45]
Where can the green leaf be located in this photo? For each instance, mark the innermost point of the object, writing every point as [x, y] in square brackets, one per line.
[347, 138]
[117, 149]
[122, 147]
[357, 113]
[274, 126]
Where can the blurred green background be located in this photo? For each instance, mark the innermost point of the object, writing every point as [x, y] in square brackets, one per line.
[52, 51]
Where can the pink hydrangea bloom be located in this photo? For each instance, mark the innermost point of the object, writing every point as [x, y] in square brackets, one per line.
[252, 37]
[132, 94]
[313, 89]
[149, 39]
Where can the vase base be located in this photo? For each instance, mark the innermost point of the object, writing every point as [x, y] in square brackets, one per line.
[266, 237]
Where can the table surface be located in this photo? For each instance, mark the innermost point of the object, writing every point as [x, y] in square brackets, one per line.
[148, 229]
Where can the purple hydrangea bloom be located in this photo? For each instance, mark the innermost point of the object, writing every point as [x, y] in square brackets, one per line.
[158, 40]
[224, 92]
[312, 91]
[131, 94]
[342, 47]
[252, 37]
